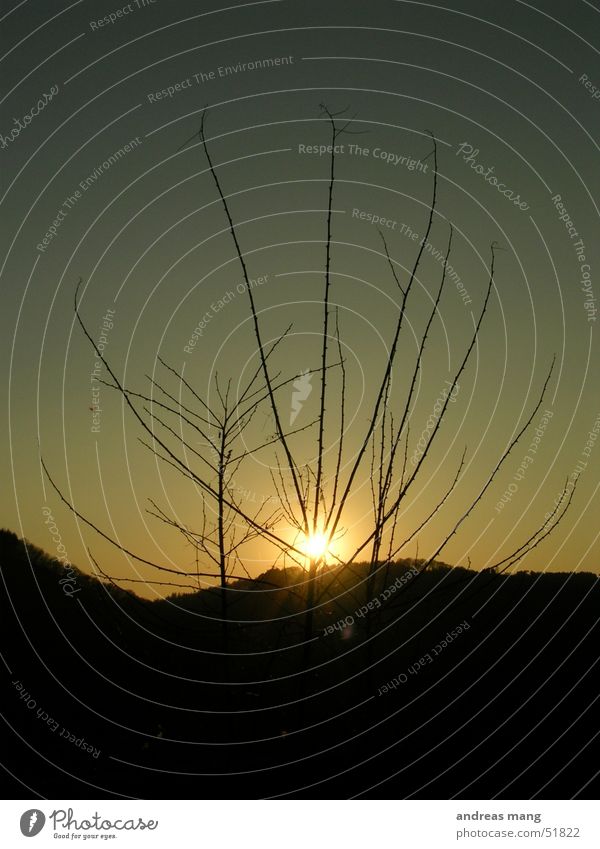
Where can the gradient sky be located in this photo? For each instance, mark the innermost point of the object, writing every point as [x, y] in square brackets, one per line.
[148, 237]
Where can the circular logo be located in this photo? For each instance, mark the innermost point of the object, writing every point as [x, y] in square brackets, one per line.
[32, 822]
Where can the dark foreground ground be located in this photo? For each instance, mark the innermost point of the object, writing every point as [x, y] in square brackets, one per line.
[109, 696]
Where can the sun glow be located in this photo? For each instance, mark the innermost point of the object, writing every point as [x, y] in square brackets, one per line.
[316, 547]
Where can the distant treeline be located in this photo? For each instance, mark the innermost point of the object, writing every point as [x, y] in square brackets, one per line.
[438, 683]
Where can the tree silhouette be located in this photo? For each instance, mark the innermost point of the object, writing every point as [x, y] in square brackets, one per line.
[312, 496]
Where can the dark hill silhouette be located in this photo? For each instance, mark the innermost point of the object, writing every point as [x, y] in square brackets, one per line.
[505, 708]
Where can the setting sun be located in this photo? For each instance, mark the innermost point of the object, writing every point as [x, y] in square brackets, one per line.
[315, 546]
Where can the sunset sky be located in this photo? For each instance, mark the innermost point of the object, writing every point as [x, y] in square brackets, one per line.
[510, 91]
